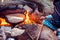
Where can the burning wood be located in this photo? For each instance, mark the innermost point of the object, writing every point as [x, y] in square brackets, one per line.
[14, 19]
[27, 20]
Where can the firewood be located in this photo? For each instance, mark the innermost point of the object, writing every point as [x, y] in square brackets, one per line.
[32, 31]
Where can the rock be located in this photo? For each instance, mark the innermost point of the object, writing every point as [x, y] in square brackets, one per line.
[15, 18]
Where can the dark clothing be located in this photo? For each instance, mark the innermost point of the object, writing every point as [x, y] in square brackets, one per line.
[56, 1]
[55, 23]
[56, 15]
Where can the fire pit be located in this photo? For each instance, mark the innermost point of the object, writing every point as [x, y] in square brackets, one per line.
[24, 24]
[32, 29]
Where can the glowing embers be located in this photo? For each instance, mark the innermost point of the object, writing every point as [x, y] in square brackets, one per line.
[3, 22]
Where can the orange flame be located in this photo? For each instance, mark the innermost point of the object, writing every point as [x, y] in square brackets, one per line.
[27, 20]
[3, 22]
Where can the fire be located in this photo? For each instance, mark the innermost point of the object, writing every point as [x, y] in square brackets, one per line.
[3, 22]
[27, 20]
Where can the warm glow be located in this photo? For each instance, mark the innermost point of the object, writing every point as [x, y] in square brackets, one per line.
[27, 20]
[3, 22]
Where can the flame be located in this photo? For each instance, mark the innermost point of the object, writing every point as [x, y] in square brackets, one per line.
[27, 20]
[3, 22]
